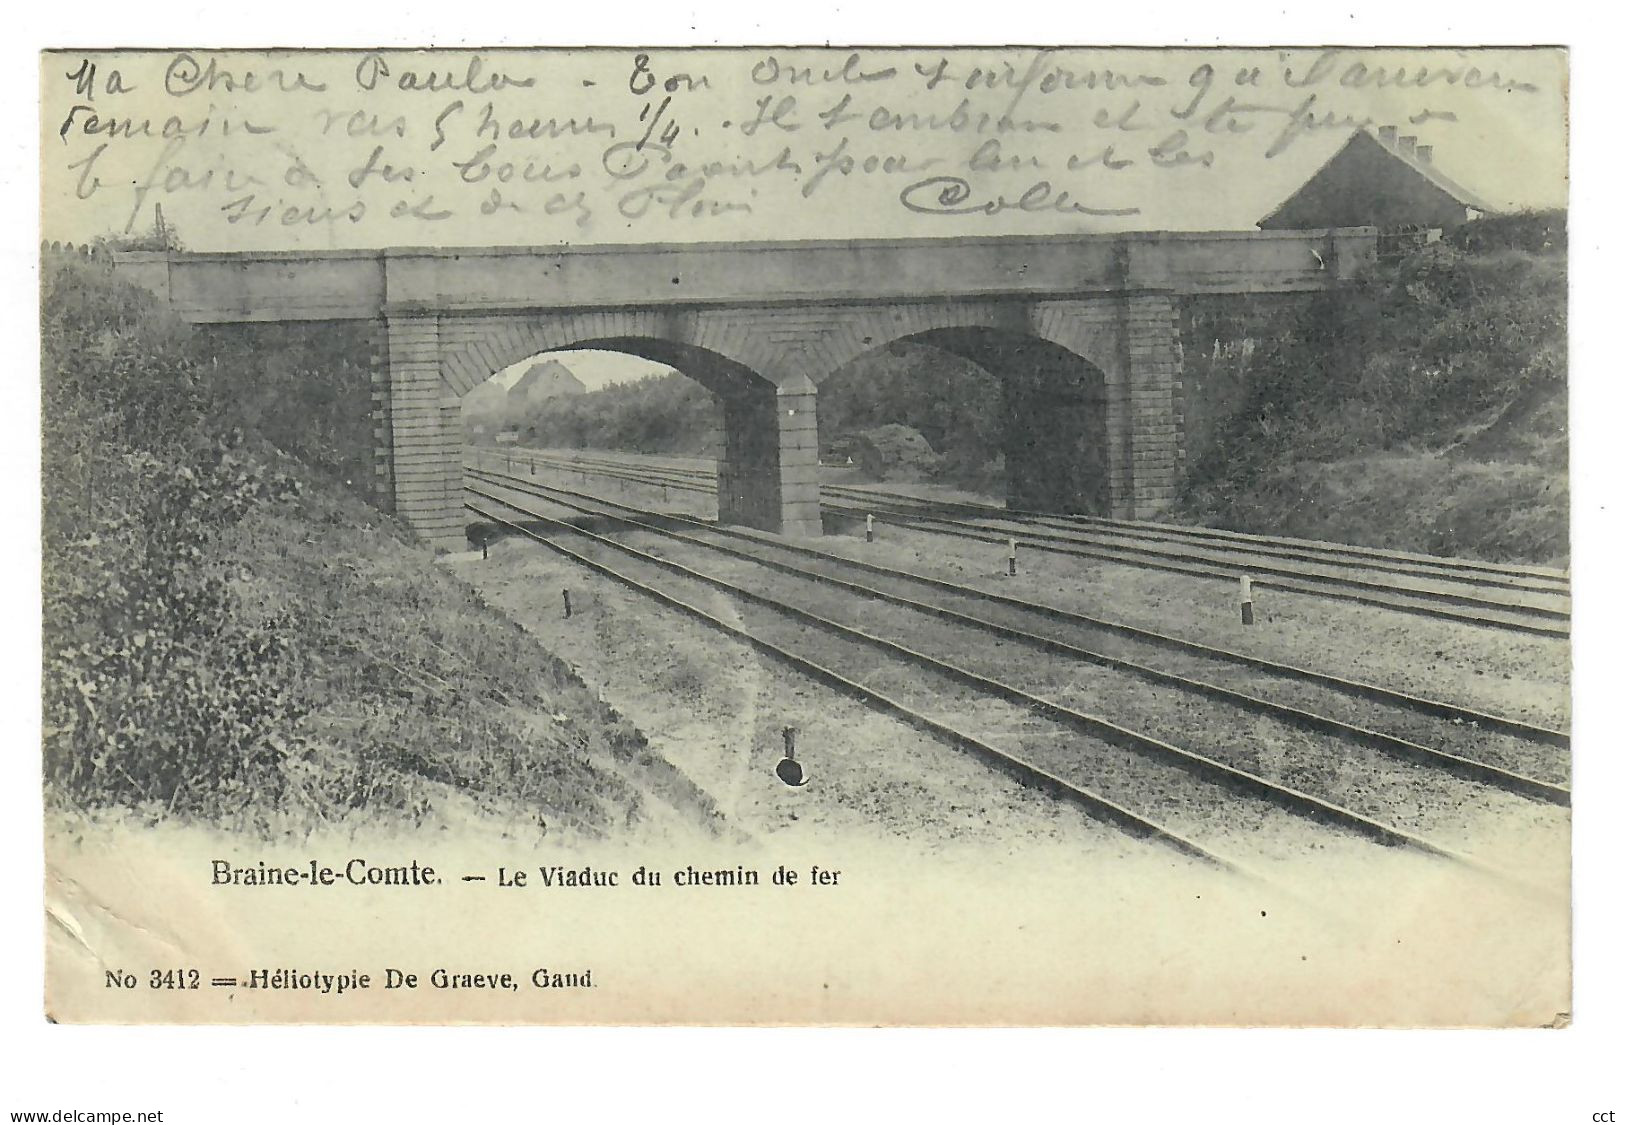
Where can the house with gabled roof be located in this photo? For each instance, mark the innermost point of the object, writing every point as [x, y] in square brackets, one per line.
[540, 382]
[1379, 180]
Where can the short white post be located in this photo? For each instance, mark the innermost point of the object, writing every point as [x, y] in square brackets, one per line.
[869, 528]
[1012, 558]
[1246, 600]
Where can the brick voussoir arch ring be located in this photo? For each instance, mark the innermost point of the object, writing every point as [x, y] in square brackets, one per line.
[820, 341]
[785, 345]
[475, 347]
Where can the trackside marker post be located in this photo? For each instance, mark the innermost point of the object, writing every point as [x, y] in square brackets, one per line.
[1012, 558]
[869, 529]
[1246, 600]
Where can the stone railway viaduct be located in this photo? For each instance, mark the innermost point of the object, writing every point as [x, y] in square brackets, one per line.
[760, 325]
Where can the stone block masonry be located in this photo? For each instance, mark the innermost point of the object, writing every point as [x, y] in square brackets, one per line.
[765, 435]
[748, 323]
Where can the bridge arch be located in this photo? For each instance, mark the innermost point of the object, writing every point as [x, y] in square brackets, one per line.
[472, 348]
[1052, 415]
[763, 364]
[1075, 375]
[762, 430]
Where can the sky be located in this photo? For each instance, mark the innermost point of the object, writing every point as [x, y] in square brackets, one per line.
[595, 369]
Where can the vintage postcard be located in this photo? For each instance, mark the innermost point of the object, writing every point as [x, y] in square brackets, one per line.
[862, 535]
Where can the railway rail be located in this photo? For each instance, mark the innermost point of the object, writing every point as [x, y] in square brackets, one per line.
[701, 534]
[1543, 612]
[494, 490]
[1017, 766]
[1502, 575]
[1145, 638]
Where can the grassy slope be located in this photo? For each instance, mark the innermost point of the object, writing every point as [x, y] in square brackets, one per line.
[417, 702]
[428, 704]
[1415, 501]
[1448, 430]
[233, 638]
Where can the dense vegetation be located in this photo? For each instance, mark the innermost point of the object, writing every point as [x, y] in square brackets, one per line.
[306, 388]
[952, 404]
[232, 637]
[957, 407]
[1425, 409]
[663, 414]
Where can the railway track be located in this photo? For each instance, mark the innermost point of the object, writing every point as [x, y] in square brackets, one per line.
[1144, 641]
[1033, 705]
[1412, 564]
[1022, 769]
[893, 586]
[1457, 596]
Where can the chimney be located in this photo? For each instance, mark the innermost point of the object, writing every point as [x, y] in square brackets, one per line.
[1424, 154]
[1387, 134]
[1407, 146]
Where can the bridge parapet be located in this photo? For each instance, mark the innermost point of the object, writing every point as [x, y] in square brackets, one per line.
[366, 284]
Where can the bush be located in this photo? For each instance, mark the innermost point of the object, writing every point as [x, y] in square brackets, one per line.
[154, 692]
[1537, 232]
[954, 405]
[893, 452]
[310, 393]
